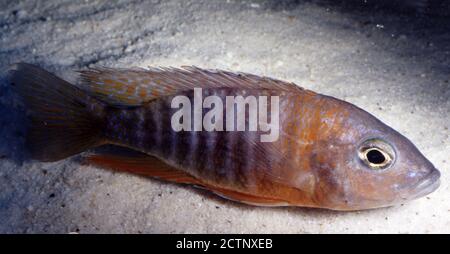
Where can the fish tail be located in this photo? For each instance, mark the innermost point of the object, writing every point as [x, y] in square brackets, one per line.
[63, 120]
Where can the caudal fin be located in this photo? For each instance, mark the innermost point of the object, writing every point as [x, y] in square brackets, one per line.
[64, 120]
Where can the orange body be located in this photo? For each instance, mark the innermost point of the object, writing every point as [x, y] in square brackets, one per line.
[328, 154]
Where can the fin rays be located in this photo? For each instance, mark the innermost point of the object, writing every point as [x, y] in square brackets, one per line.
[133, 87]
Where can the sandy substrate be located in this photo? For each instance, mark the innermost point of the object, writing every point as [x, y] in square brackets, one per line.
[394, 64]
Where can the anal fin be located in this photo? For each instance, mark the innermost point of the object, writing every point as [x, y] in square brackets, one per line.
[144, 165]
[151, 166]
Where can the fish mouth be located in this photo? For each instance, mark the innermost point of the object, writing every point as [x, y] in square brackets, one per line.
[429, 184]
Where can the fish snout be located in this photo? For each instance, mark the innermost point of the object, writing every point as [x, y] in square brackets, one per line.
[427, 184]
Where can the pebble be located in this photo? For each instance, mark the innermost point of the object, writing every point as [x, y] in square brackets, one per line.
[21, 14]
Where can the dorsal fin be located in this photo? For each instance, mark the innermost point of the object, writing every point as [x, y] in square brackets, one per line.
[133, 87]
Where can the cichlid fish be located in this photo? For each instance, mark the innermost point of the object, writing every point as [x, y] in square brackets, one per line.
[327, 153]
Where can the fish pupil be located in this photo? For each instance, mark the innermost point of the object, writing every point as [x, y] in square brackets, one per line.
[375, 157]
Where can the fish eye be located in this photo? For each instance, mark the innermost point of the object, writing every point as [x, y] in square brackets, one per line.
[376, 154]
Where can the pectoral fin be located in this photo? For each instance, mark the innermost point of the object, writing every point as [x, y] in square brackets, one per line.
[247, 198]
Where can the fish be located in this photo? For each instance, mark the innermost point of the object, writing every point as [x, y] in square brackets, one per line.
[327, 153]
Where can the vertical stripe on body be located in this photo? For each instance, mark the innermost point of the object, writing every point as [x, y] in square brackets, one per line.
[222, 157]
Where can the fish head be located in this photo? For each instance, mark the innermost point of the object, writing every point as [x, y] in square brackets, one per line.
[367, 164]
